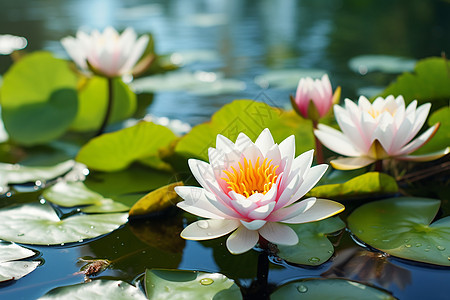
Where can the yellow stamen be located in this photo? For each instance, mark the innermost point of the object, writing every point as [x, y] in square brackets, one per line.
[251, 179]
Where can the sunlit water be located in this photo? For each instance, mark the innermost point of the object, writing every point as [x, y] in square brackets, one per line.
[253, 44]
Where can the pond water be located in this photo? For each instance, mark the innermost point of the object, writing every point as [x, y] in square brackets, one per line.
[251, 50]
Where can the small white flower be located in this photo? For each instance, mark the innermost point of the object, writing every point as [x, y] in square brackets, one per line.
[10, 43]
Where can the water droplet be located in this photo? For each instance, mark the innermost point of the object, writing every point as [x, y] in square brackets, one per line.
[385, 241]
[92, 226]
[42, 201]
[448, 257]
[330, 251]
[26, 266]
[62, 244]
[209, 234]
[418, 245]
[408, 245]
[80, 241]
[427, 250]
[314, 259]
[440, 248]
[21, 234]
[407, 240]
[203, 224]
[8, 194]
[206, 281]
[302, 289]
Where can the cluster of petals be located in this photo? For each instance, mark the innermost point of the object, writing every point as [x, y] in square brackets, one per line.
[107, 53]
[378, 130]
[10, 43]
[317, 93]
[250, 189]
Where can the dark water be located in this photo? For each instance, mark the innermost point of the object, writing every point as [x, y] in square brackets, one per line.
[245, 39]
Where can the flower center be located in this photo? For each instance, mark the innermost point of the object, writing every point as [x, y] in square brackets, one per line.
[375, 113]
[251, 179]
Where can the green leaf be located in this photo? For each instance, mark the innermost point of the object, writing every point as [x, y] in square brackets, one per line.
[156, 200]
[10, 268]
[177, 284]
[97, 289]
[39, 99]
[328, 289]
[367, 184]
[442, 137]
[313, 248]
[249, 117]
[93, 99]
[401, 227]
[115, 151]
[40, 225]
[69, 194]
[430, 81]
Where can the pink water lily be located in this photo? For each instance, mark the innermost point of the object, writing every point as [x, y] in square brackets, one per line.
[314, 98]
[108, 53]
[250, 189]
[378, 130]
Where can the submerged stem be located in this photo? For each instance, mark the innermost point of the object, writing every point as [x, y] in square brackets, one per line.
[379, 166]
[108, 107]
[319, 151]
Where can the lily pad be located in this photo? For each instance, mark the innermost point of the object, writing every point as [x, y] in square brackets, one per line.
[372, 183]
[156, 200]
[10, 268]
[313, 248]
[384, 63]
[329, 289]
[429, 82]
[93, 98]
[250, 117]
[115, 151]
[69, 194]
[177, 284]
[15, 173]
[401, 227]
[286, 79]
[40, 225]
[97, 289]
[39, 98]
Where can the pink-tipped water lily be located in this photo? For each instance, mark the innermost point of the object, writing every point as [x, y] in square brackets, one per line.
[108, 53]
[250, 189]
[10, 43]
[314, 98]
[375, 131]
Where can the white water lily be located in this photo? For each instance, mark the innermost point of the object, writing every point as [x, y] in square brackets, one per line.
[375, 131]
[250, 189]
[10, 43]
[108, 53]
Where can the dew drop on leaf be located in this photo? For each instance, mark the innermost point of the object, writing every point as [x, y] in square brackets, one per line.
[206, 281]
[302, 289]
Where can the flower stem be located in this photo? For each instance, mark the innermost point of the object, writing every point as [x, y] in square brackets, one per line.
[379, 166]
[319, 151]
[108, 107]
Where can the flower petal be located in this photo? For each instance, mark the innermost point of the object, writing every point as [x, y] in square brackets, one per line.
[320, 210]
[264, 141]
[292, 210]
[420, 141]
[253, 225]
[209, 229]
[335, 141]
[242, 240]
[425, 157]
[196, 203]
[261, 212]
[351, 163]
[279, 234]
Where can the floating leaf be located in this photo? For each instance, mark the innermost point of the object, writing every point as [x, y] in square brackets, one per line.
[430, 81]
[177, 284]
[39, 98]
[367, 184]
[69, 194]
[401, 227]
[115, 151]
[384, 63]
[97, 289]
[93, 98]
[286, 79]
[39, 224]
[250, 117]
[156, 200]
[328, 289]
[442, 137]
[313, 247]
[10, 268]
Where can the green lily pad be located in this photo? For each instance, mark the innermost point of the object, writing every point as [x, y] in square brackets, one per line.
[115, 151]
[401, 227]
[442, 137]
[40, 225]
[372, 183]
[430, 81]
[10, 267]
[93, 98]
[313, 248]
[178, 284]
[39, 98]
[97, 289]
[328, 289]
[15, 173]
[384, 63]
[249, 117]
[69, 194]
